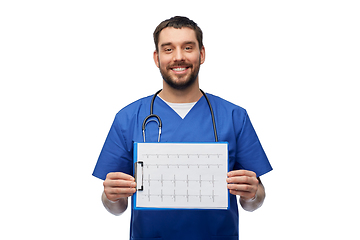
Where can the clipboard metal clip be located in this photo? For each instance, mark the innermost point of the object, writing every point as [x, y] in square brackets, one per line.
[139, 173]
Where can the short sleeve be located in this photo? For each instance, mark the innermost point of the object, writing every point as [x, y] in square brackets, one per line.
[250, 155]
[115, 155]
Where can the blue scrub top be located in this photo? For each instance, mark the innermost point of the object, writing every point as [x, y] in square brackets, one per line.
[233, 126]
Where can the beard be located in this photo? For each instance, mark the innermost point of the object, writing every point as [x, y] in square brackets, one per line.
[180, 82]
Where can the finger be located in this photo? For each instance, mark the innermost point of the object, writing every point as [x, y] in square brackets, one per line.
[117, 193]
[119, 184]
[244, 195]
[241, 173]
[242, 191]
[115, 197]
[120, 191]
[120, 175]
[242, 187]
[243, 180]
[238, 193]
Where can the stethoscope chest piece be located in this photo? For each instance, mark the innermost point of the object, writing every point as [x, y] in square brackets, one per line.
[152, 118]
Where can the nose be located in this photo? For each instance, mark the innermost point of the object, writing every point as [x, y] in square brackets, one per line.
[178, 55]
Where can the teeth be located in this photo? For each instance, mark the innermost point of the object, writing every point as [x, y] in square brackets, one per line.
[179, 69]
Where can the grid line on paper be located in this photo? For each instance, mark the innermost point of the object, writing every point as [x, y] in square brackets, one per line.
[178, 165]
[180, 155]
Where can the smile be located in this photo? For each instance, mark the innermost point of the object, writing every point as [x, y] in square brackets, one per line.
[179, 69]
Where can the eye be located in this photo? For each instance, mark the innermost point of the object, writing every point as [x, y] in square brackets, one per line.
[167, 50]
[188, 48]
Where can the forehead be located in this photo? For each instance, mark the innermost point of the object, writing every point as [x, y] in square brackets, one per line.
[177, 35]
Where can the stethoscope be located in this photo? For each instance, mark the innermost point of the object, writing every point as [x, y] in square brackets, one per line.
[155, 118]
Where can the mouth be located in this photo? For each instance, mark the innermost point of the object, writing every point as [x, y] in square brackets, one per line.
[179, 69]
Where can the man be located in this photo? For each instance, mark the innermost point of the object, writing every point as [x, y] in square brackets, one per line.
[185, 117]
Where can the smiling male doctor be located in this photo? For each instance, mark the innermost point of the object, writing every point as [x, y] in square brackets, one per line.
[186, 118]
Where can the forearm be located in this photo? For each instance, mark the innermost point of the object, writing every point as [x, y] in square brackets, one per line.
[116, 208]
[253, 204]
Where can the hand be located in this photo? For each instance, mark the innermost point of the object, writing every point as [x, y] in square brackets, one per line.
[243, 183]
[119, 185]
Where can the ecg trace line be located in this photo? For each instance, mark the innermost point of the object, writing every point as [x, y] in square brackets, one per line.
[174, 180]
[187, 195]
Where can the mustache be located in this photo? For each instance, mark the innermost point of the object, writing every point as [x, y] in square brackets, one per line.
[187, 65]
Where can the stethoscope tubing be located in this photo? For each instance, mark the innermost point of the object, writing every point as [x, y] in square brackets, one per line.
[212, 115]
[158, 120]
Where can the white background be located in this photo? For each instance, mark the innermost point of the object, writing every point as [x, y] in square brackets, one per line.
[67, 67]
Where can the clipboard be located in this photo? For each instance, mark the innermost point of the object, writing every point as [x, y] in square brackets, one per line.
[181, 175]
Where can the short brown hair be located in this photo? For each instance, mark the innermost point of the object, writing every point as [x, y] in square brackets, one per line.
[178, 22]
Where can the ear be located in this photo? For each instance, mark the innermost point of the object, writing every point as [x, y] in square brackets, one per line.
[202, 55]
[156, 58]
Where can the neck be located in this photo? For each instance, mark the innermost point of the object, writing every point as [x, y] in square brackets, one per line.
[188, 95]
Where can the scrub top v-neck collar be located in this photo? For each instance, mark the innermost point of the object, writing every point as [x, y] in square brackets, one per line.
[165, 106]
[182, 109]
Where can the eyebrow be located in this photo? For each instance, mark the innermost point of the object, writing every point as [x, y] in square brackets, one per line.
[165, 44]
[185, 43]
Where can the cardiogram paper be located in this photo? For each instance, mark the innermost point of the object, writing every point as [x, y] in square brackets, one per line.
[181, 175]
